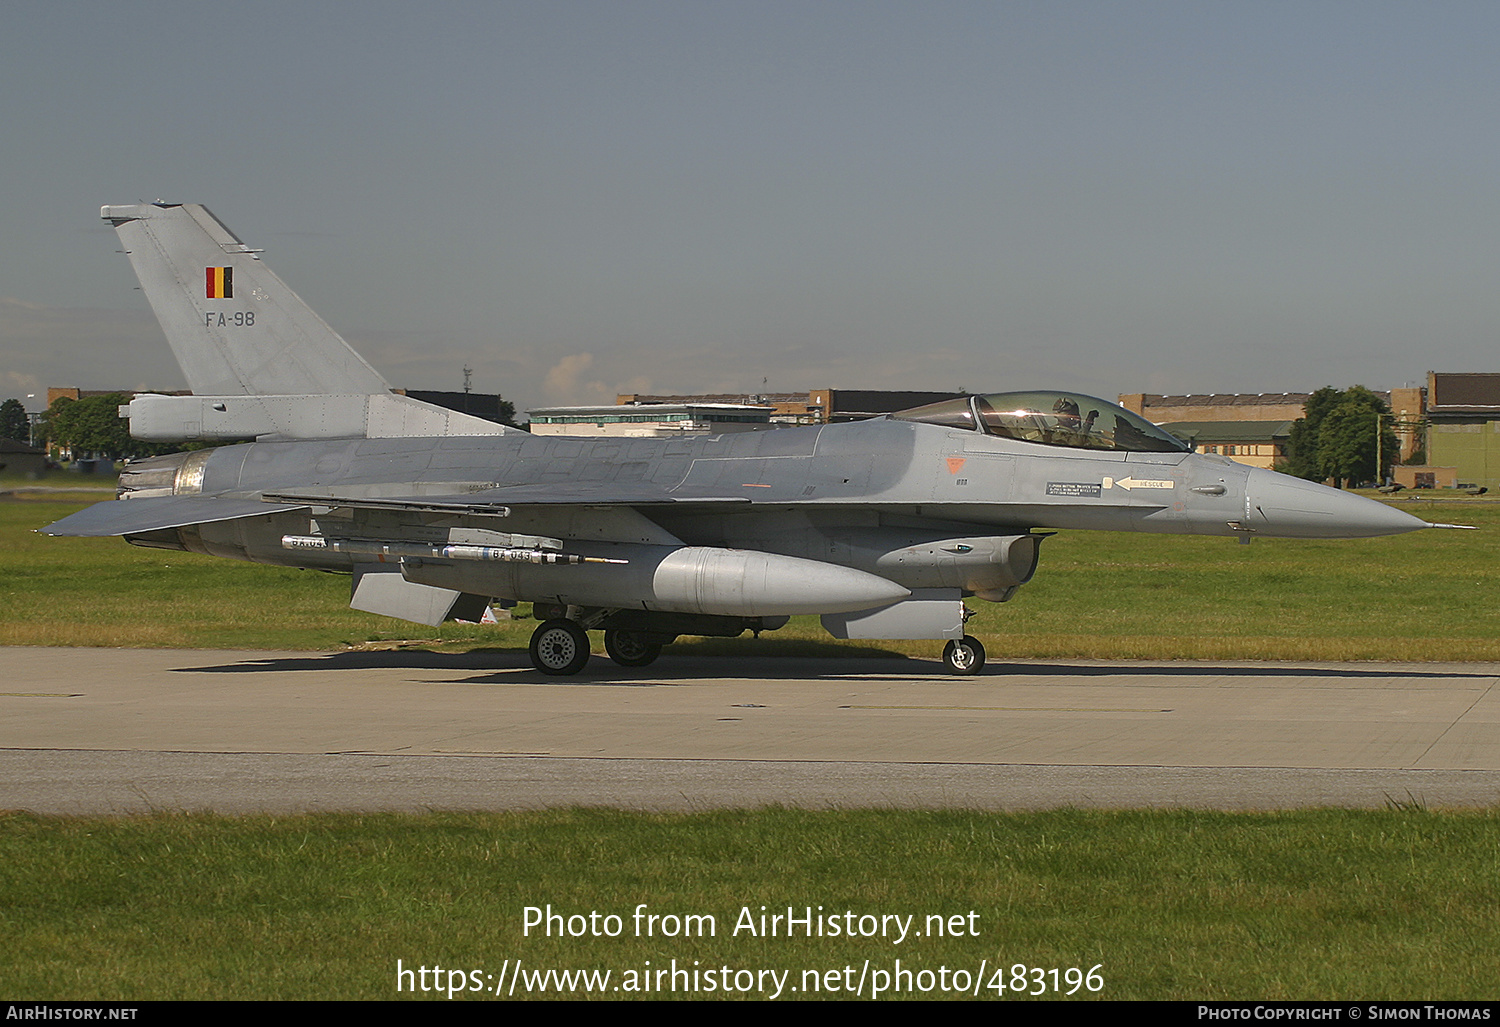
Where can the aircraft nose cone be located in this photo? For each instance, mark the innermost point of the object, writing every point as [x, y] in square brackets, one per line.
[1286, 507]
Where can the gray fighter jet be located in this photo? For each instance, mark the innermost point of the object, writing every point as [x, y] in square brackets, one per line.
[882, 527]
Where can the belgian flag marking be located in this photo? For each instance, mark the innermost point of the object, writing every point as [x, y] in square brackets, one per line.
[219, 282]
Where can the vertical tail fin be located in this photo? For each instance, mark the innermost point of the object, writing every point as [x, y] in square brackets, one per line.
[235, 327]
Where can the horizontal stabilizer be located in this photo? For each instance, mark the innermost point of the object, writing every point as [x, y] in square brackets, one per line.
[134, 516]
[384, 415]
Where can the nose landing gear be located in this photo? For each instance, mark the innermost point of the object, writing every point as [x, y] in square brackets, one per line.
[964, 656]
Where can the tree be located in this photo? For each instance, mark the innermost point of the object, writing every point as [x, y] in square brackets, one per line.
[92, 425]
[1335, 438]
[14, 424]
[1302, 446]
[53, 422]
[506, 411]
[1347, 440]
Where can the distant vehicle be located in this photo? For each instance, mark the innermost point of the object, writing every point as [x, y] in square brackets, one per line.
[882, 527]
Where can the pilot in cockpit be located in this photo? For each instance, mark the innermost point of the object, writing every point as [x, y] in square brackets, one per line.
[1065, 410]
[1051, 419]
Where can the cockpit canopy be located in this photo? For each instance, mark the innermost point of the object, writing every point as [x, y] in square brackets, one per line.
[1051, 418]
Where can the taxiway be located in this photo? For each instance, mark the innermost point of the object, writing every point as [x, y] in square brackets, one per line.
[122, 731]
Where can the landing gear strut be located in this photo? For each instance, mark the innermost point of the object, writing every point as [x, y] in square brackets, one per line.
[964, 656]
[559, 647]
[630, 648]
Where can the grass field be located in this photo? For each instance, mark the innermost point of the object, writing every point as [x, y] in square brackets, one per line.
[1166, 905]
[1103, 595]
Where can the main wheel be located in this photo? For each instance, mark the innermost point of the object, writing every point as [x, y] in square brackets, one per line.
[559, 647]
[630, 648]
[965, 656]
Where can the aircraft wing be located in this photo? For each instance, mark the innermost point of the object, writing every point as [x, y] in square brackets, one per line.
[496, 500]
[134, 516]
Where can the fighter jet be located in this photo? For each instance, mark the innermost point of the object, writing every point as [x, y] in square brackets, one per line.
[882, 527]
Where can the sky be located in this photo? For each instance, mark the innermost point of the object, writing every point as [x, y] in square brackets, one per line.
[575, 199]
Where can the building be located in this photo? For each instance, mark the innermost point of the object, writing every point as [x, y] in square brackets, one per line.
[1425, 477]
[1463, 427]
[19, 458]
[859, 404]
[55, 393]
[1216, 406]
[1256, 443]
[483, 405]
[1257, 425]
[1251, 428]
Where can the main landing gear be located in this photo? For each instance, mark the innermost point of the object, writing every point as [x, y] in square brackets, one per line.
[630, 648]
[964, 656]
[560, 647]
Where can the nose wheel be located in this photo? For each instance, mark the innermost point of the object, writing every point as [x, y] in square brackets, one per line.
[964, 656]
[559, 647]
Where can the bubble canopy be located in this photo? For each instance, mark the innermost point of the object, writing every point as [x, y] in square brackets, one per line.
[1052, 419]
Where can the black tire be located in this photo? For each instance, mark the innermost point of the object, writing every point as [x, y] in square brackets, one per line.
[559, 647]
[965, 656]
[630, 648]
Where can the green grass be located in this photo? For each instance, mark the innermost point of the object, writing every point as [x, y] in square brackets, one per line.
[1318, 904]
[1096, 595]
[1303, 905]
[88, 591]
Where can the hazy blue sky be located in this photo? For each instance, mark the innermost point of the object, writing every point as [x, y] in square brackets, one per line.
[576, 198]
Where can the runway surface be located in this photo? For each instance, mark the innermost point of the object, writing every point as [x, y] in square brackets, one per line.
[124, 731]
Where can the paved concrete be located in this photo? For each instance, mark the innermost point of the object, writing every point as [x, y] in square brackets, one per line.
[106, 730]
